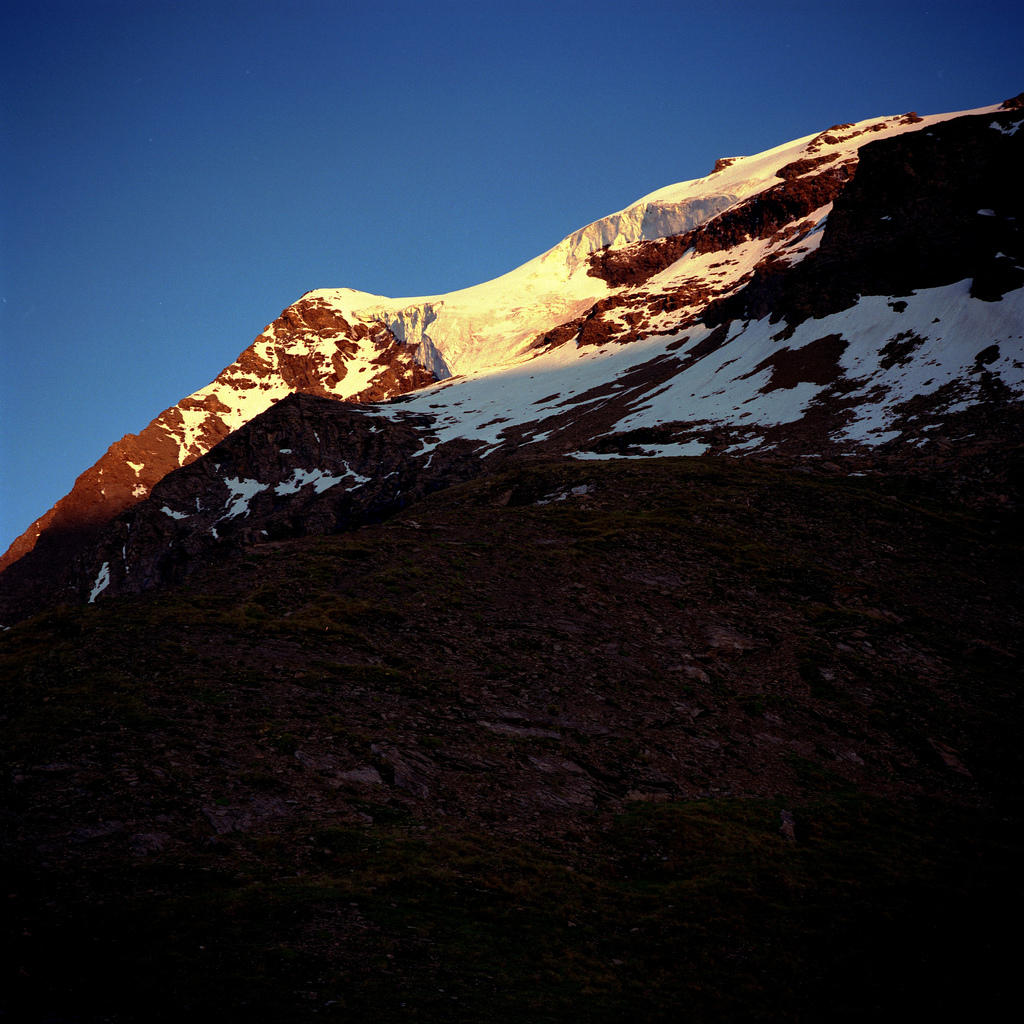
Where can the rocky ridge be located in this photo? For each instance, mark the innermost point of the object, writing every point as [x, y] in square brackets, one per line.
[309, 349]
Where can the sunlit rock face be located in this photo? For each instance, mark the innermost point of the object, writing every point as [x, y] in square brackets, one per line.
[858, 292]
[311, 348]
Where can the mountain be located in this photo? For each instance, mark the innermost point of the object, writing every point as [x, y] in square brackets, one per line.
[639, 631]
[859, 290]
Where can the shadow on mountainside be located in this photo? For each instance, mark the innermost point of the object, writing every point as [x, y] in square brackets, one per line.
[568, 742]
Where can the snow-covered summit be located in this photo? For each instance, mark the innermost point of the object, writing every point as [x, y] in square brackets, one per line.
[490, 324]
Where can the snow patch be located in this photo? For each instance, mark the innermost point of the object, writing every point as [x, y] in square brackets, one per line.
[300, 477]
[737, 384]
[689, 448]
[575, 492]
[242, 492]
[102, 582]
[356, 477]
[1010, 129]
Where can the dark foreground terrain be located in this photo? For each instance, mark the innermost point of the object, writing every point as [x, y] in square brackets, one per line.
[684, 739]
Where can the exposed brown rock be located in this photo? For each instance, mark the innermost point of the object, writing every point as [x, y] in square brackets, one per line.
[557, 335]
[801, 167]
[897, 350]
[758, 217]
[815, 363]
[595, 329]
[712, 343]
[210, 403]
[840, 133]
[194, 514]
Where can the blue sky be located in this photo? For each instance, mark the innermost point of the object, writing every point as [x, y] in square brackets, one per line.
[173, 174]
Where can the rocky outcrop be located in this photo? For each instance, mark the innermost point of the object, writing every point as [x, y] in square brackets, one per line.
[775, 215]
[125, 475]
[799, 194]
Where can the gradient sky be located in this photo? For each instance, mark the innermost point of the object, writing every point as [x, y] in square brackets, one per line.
[174, 174]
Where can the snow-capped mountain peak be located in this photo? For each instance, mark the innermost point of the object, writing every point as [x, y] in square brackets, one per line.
[849, 290]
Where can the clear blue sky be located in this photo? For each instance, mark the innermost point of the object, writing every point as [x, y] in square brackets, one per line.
[173, 174]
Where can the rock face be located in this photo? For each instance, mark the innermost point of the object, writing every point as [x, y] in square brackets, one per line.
[860, 292]
[803, 190]
[926, 209]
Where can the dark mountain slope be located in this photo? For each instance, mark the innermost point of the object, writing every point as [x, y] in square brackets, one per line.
[274, 477]
[565, 742]
[268, 369]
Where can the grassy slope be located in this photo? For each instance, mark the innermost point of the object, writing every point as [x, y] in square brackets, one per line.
[587, 717]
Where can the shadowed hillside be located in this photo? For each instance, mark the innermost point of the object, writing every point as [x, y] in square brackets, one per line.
[701, 738]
